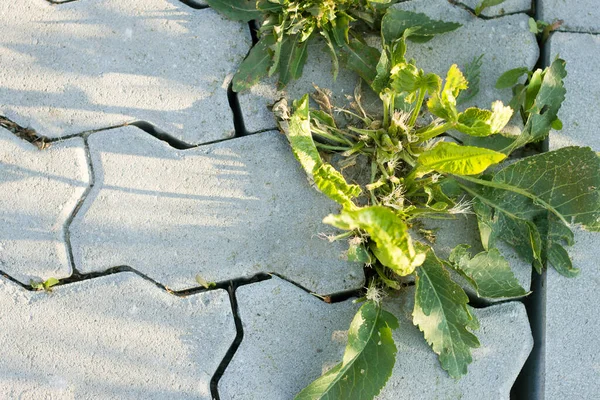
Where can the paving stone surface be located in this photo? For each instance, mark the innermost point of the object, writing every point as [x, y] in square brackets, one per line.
[506, 342]
[116, 337]
[578, 15]
[508, 7]
[572, 323]
[289, 336]
[154, 60]
[38, 192]
[290, 339]
[223, 211]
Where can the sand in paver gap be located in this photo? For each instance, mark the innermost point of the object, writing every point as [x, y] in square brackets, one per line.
[572, 340]
[88, 65]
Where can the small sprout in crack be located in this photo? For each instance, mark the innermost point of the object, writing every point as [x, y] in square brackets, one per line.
[44, 285]
[204, 282]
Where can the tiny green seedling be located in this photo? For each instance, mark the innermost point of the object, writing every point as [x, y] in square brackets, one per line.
[45, 285]
[204, 282]
[543, 29]
[486, 4]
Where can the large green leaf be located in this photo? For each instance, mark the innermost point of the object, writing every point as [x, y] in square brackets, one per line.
[565, 182]
[442, 315]
[294, 53]
[300, 137]
[451, 158]
[368, 360]
[544, 96]
[488, 272]
[255, 66]
[329, 181]
[409, 78]
[238, 10]
[362, 59]
[395, 22]
[391, 242]
[333, 184]
[511, 77]
[480, 123]
[514, 206]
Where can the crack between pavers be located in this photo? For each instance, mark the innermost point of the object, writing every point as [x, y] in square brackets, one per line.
[471, 11]
[530, 382]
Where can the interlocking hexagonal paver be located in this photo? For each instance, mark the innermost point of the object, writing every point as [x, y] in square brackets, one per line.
[506, 342]
[290, 338]
[115, 337]
[572, 360]
[86, 65]
[223, 211]
[38, 192]
[577, 15]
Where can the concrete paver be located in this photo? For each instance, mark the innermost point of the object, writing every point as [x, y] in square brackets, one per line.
[508, 7]
[154, 60]
[223, 211]
[38, 192]
[506, 342]
[115, 337]
[290, 336]
[578, 15]
[572, 363]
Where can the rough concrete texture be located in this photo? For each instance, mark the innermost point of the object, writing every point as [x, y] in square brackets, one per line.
[578, 15]
[464, 230]
[317, 71]
[290, 339]
[223, 211]
[87, 65]
[506, 342]
[38, 192]
[116, 337]
[508, 7]
[572, 362]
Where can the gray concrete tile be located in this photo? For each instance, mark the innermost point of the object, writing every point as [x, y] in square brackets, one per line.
[290, 338]
[506, 342]
[508, 7]
[578, 15]
[572, 325]
[88, 65]
[116, 337]
[223, 211]
[38, 192]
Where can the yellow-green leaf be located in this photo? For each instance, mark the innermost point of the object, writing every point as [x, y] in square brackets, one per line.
[391, 242]
[450, 158]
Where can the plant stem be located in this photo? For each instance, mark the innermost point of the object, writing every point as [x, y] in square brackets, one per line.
[417, 110]
[430, 134]
[329, 147]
